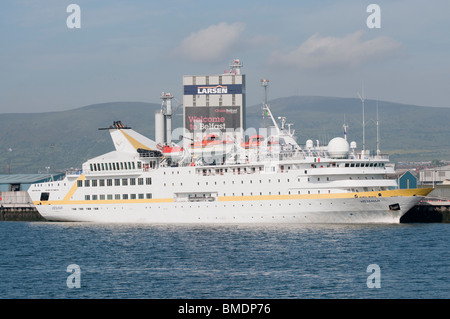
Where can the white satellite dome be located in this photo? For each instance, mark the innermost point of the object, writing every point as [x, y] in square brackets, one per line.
[309, 144]
[338, 148]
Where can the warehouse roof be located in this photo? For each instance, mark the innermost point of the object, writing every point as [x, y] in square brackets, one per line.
[27, 178]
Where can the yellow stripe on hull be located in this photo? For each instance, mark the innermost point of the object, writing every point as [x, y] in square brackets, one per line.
[389, 193]
[373, 194]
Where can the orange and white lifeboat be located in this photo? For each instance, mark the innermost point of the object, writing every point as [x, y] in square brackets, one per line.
[211, 146]
[174, 152]
[254, 141]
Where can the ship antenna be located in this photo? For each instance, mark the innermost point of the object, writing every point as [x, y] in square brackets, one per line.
[378, 133]
[363, 120]
[345, 126]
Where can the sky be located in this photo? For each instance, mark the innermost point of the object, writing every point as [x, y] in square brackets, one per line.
[134, 50]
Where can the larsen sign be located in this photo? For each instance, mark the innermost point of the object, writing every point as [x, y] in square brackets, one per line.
[212, 89]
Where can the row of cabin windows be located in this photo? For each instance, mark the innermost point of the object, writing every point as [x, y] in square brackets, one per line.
[364, 164]
[115, 182]
[260, 181]
[279, 193]
[118, 196]
[116, 166]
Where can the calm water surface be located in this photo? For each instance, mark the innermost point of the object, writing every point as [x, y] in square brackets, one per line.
[234, 261]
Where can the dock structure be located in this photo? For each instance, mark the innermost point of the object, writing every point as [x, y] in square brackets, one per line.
[15, 203]
[18, 206]
[435, 208]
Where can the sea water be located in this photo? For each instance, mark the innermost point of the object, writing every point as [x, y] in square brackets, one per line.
[325, 261]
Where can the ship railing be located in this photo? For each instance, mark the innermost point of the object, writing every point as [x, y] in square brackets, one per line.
[363, 156]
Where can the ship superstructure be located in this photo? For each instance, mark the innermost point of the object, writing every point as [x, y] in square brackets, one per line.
[215, 176]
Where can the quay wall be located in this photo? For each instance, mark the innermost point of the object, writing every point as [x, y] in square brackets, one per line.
[17, 206]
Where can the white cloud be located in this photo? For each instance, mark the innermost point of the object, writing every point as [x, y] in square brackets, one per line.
[331, 53]
[210, 44]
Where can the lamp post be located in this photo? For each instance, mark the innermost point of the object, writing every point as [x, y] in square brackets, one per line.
[8, 165]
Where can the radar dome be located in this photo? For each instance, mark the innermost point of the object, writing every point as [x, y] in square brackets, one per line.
[338, 148]
[309, 144]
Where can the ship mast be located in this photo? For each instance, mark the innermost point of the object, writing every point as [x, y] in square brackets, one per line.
[363, 121]
[266, 108]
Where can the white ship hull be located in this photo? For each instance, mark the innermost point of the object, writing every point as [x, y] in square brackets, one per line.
[333, 210]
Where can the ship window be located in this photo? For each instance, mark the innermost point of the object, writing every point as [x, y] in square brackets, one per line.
[114, 166]
[45, 196]
[124, 182]
[132, 196]
[102, 197]
[91, 167]
[132, 164]
[117, 196]
[79, 183]
[94, 182]
[117, 182]
[132, 181]
[148, 195]
[101, 182]
[87, 197]
[109, 182]
[140, 181]
[87, 183]
[94, 197]
[103, 166]
[352, 165]
[141, 196]
[148, 180]
[109, 196]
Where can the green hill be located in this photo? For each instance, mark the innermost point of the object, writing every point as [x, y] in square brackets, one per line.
[66, 139]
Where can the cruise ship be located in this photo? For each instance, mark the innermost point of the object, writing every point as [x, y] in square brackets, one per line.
[213, 177]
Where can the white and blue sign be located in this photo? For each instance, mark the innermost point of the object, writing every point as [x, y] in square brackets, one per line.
[212, 89]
